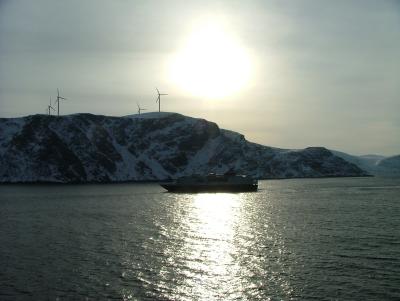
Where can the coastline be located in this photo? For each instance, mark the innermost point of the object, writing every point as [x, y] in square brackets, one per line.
[165, 180]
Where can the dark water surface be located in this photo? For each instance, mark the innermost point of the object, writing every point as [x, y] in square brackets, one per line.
[322, 239]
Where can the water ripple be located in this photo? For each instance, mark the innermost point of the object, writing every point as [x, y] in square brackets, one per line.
[293, 240]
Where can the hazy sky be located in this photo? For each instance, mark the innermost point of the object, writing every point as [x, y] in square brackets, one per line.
[319, 73]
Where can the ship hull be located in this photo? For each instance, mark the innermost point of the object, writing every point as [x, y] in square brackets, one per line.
[210, 188]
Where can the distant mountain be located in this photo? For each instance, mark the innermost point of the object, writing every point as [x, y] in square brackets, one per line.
[152, 146]
[390, 166]
[374, 164]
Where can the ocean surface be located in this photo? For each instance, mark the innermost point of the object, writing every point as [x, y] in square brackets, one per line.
[305, 239]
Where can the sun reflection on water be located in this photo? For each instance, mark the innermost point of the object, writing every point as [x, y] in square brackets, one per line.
[217, 246]
[210, 243]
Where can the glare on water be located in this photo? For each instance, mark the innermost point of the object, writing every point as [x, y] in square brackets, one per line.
[221, 254]
[210, 243]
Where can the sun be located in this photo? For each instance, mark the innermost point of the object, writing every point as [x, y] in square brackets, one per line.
[212, 64]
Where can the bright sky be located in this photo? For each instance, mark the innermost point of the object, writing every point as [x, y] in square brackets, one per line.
[288, 74]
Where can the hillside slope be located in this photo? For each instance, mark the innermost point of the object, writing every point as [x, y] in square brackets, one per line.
[389, 166]
[374, 164]
[152, 146]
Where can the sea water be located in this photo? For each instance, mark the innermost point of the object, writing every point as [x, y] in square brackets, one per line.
[321, 239]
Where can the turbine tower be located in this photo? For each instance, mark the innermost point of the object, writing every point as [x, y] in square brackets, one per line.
[50, 107]
[58, 102]
[140, 109]
[159, 99]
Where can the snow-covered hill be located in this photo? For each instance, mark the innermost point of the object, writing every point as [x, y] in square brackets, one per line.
[374, 164]
[392, 163]
[152, 146]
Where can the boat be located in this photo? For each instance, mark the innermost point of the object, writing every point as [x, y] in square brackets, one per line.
[212, 183]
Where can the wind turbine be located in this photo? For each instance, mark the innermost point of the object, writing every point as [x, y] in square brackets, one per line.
[159, 99]
[50, 107]
[58, 102]
[140, 109]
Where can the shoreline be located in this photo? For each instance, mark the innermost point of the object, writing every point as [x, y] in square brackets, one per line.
[159, 181]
